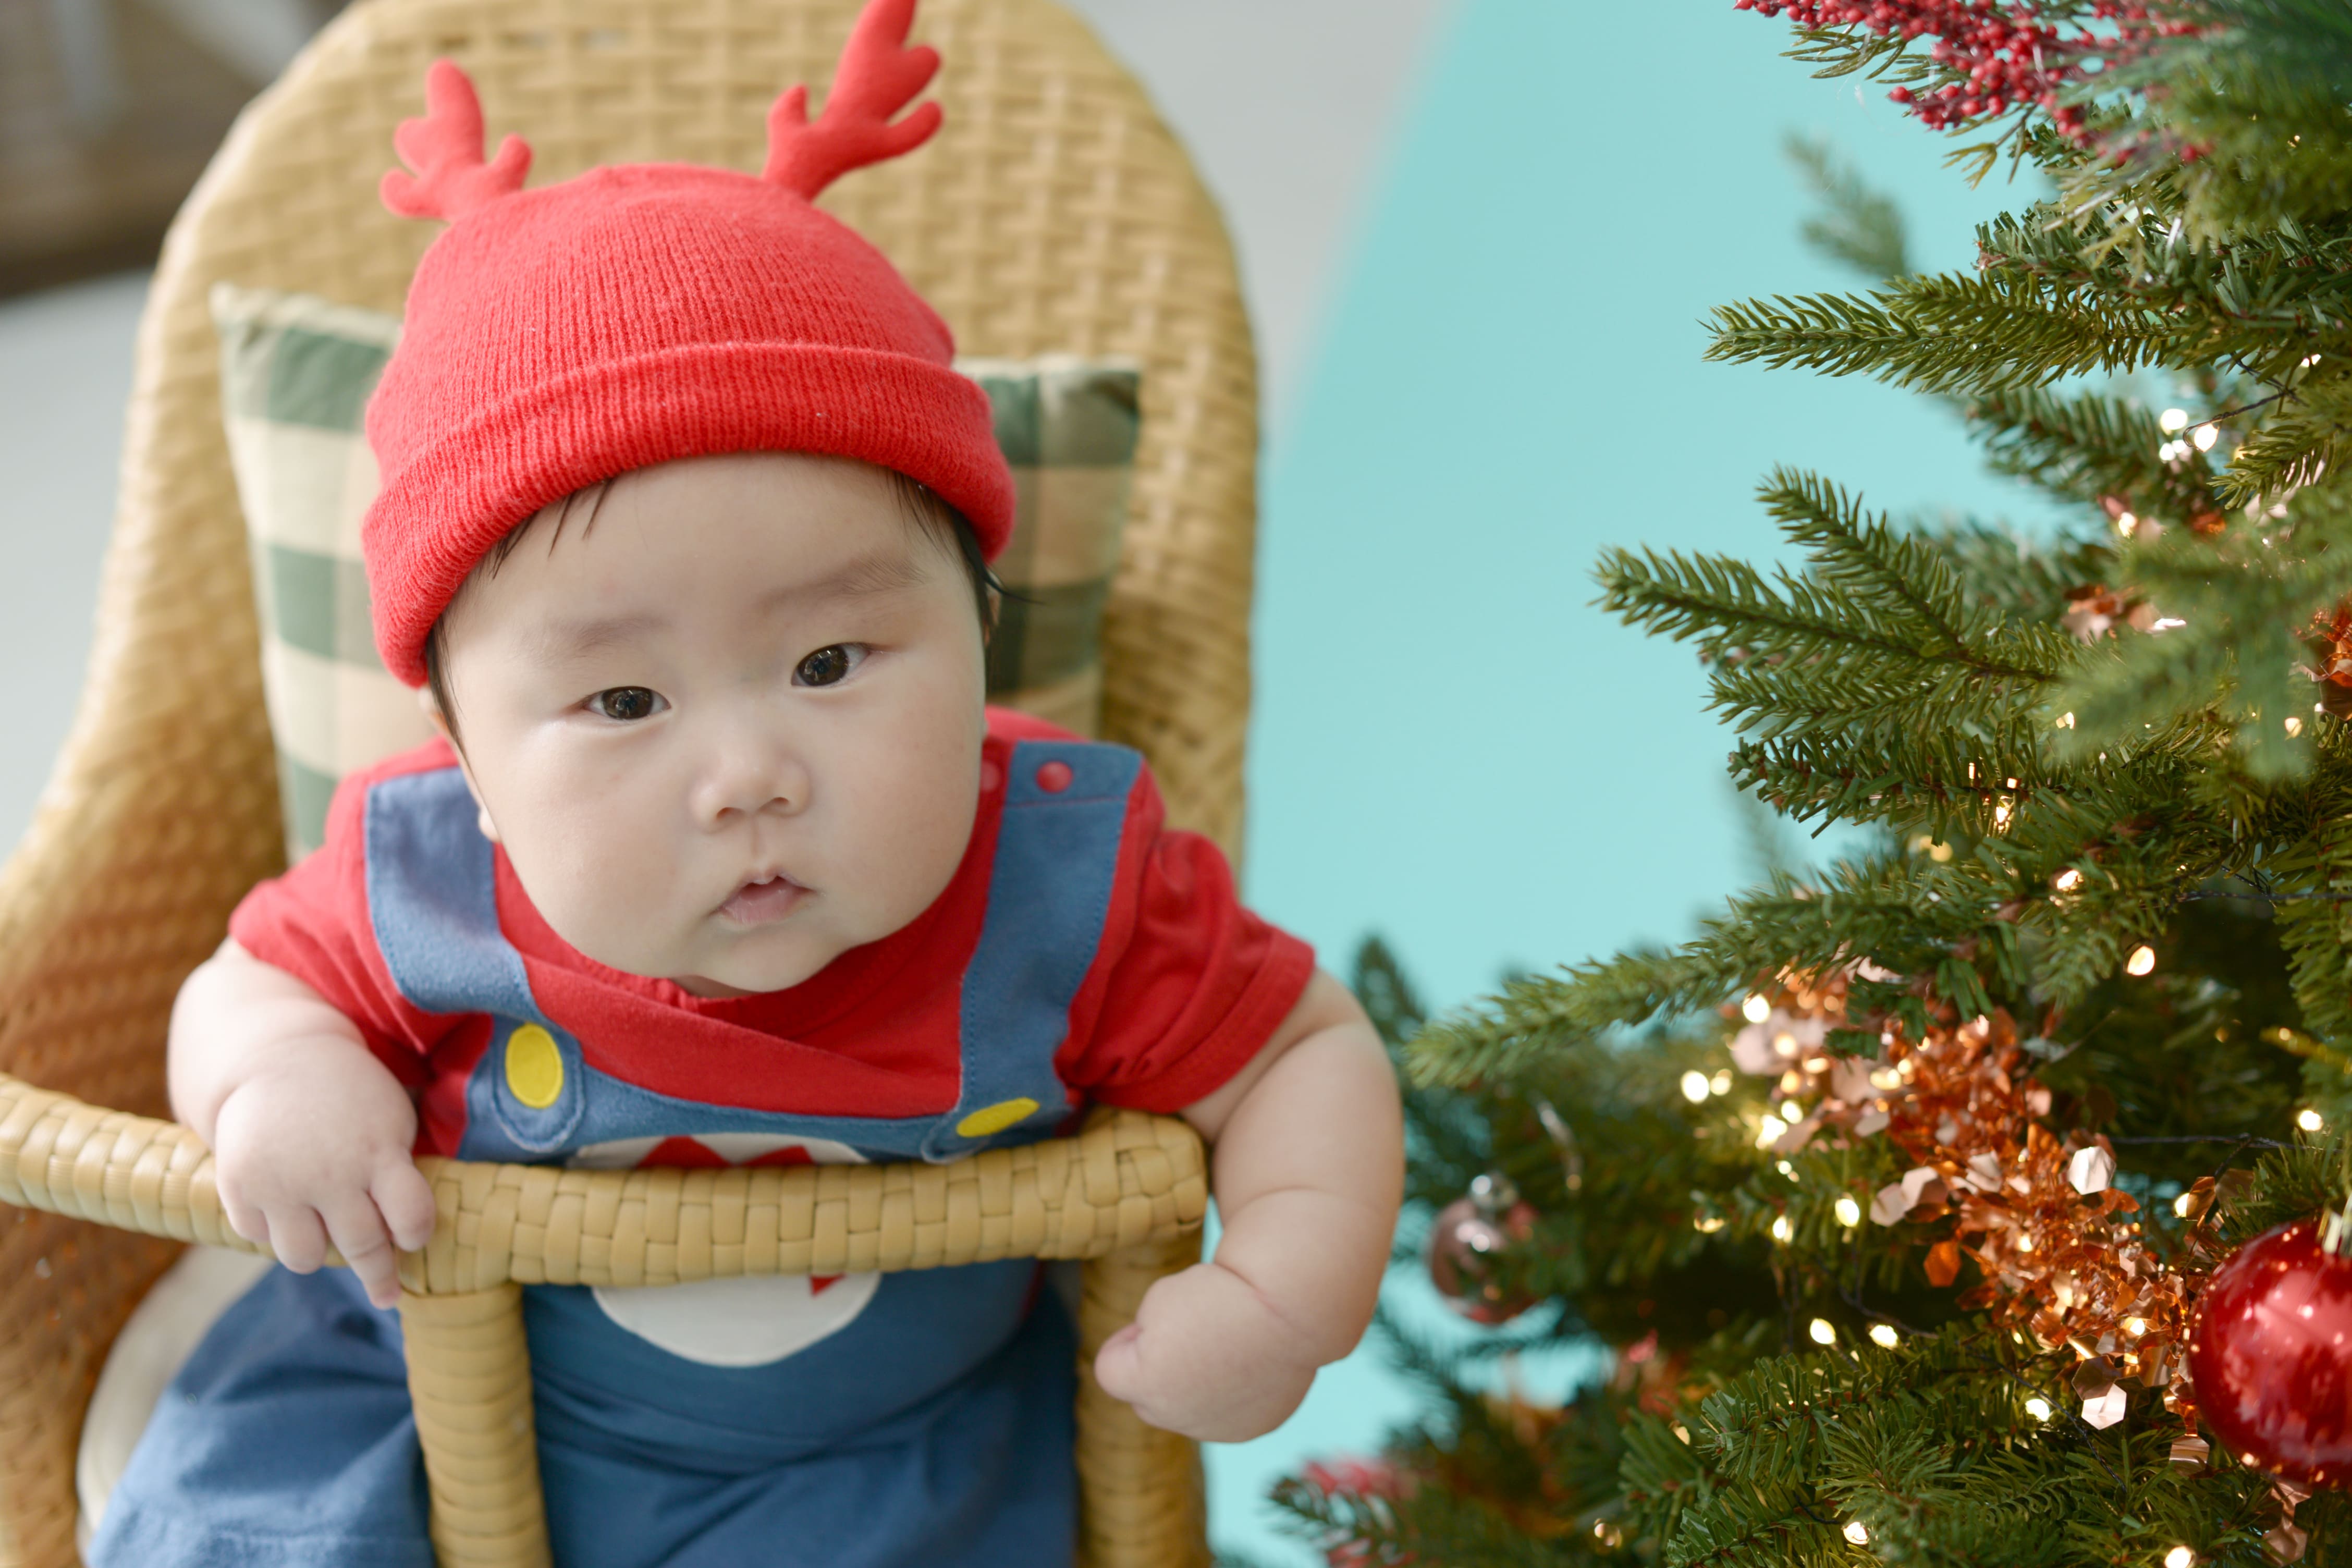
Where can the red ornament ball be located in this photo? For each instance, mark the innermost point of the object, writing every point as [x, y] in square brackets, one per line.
[1465, 1241]
[2270, 1356]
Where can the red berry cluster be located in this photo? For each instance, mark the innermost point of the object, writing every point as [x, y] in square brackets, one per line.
[2003, 56]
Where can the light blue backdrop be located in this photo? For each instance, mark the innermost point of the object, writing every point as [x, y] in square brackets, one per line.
[1452, 747]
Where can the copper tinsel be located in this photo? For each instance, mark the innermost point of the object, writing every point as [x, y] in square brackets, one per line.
[2330, 641]
[2060, 1258]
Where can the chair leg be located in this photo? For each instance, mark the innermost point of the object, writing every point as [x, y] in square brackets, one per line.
[469, 1375]
[1142, 1502]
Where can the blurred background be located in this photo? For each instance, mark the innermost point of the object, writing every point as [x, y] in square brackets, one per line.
[1478, 237]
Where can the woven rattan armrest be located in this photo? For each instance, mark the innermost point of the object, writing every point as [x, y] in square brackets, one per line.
[1127, 1194]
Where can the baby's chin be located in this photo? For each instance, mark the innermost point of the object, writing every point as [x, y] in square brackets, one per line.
[754, 968]
[723, 959]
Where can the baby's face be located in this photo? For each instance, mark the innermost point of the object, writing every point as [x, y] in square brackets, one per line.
[733, 728]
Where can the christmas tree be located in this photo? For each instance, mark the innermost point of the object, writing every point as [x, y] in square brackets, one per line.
[1976, 1199]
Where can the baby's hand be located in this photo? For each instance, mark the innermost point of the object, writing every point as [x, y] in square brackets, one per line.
[1206, 1356]
[317, 1151]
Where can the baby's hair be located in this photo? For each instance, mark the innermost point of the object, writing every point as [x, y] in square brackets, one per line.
[920, 505]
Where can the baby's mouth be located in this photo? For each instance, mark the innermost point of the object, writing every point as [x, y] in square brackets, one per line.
[757, 903]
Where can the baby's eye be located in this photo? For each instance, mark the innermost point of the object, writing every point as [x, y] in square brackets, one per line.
[827, 666]
[626, 703]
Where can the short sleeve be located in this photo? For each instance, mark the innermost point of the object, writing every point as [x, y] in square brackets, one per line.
[313, 923]
[1190, 983]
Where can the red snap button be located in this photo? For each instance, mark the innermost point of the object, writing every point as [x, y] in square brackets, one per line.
[1054, 777]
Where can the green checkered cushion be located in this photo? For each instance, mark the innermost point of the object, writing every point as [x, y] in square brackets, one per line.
[296, 375]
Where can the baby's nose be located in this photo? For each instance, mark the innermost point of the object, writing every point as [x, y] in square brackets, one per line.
[750, 778]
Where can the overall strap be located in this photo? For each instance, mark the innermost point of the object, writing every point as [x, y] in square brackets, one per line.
[432, 892]
[1049, 891]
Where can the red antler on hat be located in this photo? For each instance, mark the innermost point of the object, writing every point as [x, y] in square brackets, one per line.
[444, 148]
[878, 75]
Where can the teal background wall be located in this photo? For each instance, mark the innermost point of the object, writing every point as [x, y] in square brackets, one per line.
[1452, 747]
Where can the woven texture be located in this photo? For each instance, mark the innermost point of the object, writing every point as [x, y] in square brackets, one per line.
[1128, 1180]
[1052, 213]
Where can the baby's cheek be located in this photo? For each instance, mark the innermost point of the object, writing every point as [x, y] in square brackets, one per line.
[613, 896]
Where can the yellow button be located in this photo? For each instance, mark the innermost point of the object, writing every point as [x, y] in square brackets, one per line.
[534, 1067]
[989, 1118]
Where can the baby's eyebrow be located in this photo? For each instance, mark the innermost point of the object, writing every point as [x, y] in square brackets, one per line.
[866, 576]
[559, 642]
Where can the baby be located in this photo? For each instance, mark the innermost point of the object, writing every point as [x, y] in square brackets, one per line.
[721, 860]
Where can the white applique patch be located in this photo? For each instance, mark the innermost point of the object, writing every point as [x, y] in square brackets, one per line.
[739, 1321]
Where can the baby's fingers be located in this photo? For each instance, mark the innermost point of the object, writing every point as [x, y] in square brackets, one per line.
[298, 1238]
[1119, 1366]
[366, 1244]
[405, 1200]
[245, 1219]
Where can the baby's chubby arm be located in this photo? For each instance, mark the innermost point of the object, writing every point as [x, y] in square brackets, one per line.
[309, 1133]
[1307, 1165]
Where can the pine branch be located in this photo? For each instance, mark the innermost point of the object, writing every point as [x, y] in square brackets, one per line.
[1857, 226]
[1943, 333]
[1869, 591]
[2088, 448]
[2237, 608]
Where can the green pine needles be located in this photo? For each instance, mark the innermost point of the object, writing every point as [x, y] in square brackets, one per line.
[2062, 751]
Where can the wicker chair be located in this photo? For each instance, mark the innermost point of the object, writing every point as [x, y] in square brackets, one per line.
[1053, 212]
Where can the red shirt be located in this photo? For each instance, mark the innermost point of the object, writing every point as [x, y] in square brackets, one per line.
[1185, 987]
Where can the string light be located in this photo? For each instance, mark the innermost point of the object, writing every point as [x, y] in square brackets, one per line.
[1849, 1212]
[2173, 421]
[1822, 1333]
[1721, 1082]
[2294, 725]
[2179, 1557]
[2182, 1204]
[1855, 1533]
[2066, 720]
[2141, 961]
[1707, 1224]
[2310, 1120]
[2205, 436]
[2038, 1408]
[1884, 1336]
[1756, 1009]
[1695, 1087]
[1783, 1231]
[2067, 881]
[1769, 1131]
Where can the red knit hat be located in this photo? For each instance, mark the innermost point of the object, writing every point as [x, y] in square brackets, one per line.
[647, 311]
